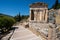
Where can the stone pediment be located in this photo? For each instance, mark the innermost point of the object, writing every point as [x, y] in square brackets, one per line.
[38, 4]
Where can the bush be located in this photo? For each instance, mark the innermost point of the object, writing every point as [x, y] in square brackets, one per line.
[6, 23]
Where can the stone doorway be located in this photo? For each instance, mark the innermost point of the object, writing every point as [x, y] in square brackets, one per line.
[32, 15]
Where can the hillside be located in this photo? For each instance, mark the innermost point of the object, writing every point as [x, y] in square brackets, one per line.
[1, 14]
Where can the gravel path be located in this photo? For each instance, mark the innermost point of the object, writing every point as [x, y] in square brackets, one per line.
[22, 33]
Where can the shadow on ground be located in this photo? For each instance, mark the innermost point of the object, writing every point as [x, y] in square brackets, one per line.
[6, 33]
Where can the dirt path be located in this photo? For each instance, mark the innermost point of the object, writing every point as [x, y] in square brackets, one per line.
[22, 33]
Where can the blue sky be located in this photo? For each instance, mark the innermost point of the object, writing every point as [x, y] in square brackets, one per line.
[13, 7]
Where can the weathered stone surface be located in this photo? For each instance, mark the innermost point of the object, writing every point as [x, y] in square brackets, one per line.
[42, 28]
[58, 17]
[38, 4]
[39, 14]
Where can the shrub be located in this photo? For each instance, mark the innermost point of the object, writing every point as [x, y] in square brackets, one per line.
[6, 23]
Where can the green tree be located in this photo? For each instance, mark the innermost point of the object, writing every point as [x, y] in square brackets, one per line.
[6, 23]
[25, 17]
[56, 5]
[18, 17]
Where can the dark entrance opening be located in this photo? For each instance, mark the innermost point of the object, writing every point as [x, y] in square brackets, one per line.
[32, 15]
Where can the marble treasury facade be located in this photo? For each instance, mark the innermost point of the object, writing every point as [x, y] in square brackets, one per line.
[39, 23]
[38, 12]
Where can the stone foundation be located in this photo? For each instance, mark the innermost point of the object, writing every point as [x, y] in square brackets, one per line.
[36, 29]
[38, 33]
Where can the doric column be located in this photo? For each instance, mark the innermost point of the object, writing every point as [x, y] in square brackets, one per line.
[46, 15]
[41, 15]
[30, 15]
[35, 13]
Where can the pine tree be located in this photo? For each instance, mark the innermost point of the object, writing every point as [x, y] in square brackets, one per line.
[18, 17]
[55, 5]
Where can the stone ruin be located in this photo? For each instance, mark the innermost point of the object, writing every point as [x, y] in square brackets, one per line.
[38, 12]
[39, 21]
